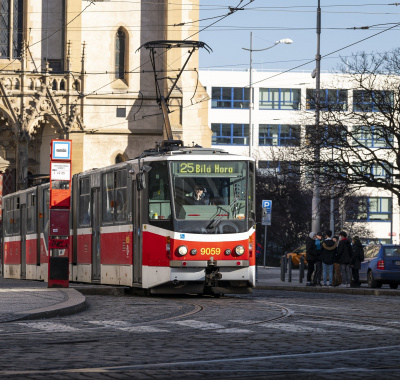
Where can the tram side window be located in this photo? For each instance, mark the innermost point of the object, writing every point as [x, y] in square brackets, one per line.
[115, 197]
[251, 204]
[84, 202]
[159, 194]
[45, 214]
[16, 219]
[9, 217]
[108, 197]
[31, 212]
[121, 202]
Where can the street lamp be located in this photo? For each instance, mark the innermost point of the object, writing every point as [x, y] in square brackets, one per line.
[283, 41]
[316, 199]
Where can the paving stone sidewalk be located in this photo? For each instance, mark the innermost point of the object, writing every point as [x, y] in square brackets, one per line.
[24, 299]
[269, 278]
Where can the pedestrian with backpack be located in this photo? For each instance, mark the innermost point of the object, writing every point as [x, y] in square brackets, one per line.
[328, 253]
[357, 258]
[318, 263]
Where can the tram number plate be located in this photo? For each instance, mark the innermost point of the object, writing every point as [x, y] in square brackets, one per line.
[397, 262]
[210, 251]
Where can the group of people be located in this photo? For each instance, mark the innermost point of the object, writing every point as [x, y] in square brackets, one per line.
[336, 258]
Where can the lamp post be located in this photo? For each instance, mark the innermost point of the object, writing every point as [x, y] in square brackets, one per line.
[316, 199]
[283, 41]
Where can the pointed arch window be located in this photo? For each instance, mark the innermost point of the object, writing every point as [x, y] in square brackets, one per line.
[119, 158]
[120, 54]
[11, 22]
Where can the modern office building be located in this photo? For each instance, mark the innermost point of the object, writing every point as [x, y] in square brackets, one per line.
[283, 109]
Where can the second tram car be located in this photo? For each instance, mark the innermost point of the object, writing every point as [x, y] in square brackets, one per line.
[177, 220]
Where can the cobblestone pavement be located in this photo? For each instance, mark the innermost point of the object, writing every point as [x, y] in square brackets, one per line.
[21, 299]
[269, 334]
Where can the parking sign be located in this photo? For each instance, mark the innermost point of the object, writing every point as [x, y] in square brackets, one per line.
[266, 214]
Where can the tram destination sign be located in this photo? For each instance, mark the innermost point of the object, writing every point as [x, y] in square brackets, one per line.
[208, 167]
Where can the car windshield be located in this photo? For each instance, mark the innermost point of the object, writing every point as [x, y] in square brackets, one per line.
[391, 251]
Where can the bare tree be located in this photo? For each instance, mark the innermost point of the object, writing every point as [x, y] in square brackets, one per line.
[291, 212]
[358, 140]
[360, 128]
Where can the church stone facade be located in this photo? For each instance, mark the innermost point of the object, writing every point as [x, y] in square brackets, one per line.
[71, 69]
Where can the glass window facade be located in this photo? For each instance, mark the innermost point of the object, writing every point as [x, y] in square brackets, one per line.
[279, 135]
[333, 99]
[372, 101]
[279, 99]
[369, 209]
[230, 97]
[372, 137]
[230, 134]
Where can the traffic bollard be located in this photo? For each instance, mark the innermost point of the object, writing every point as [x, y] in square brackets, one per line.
[290, 269]
[282, 269]
[301, 269]
[285, 261]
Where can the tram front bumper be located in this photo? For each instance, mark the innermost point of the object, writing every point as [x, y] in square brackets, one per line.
[238, 270]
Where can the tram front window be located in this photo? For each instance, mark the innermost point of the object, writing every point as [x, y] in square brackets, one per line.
[209, 192]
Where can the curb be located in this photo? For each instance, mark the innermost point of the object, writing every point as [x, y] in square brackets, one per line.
[101, 290]
[313, 289]
[75, 302]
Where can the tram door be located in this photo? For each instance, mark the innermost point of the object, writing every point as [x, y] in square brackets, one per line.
[23, 240]
[137, 240]
[94, 206]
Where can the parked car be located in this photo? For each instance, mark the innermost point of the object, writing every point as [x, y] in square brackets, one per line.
[381, 265]
[296, 254]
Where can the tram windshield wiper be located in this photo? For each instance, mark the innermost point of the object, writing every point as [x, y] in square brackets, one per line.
[219, 217]
[215, 222]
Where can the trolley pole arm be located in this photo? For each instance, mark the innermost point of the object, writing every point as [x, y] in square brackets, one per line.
[167, 123]
[180, 73]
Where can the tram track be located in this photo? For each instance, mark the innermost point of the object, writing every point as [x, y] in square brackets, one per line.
[197, 308]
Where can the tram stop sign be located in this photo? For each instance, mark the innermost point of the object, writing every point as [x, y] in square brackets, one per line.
[266, 213]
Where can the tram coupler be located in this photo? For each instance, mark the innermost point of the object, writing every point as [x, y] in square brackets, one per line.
[212, 277]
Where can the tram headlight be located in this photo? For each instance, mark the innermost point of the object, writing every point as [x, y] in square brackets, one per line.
[227, 252]
[182, 250]
[193, 252]
[239, 250]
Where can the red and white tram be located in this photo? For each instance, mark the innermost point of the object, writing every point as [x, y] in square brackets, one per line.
[139, 223]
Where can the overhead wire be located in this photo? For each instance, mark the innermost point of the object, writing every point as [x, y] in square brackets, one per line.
[328, 54]
[223, 17]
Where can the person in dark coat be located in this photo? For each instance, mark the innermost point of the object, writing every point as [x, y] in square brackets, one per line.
[337, 276]
[311, 256]
[344, 254]
[328, 253]
[357, 258]
[318, 263]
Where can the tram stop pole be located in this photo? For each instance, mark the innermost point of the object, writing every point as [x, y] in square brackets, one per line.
[59, 214]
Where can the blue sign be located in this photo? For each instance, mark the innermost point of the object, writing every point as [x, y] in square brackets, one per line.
[267, 205]
[61, 150]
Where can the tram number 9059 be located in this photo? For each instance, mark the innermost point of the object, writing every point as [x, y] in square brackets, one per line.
[210, 251]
